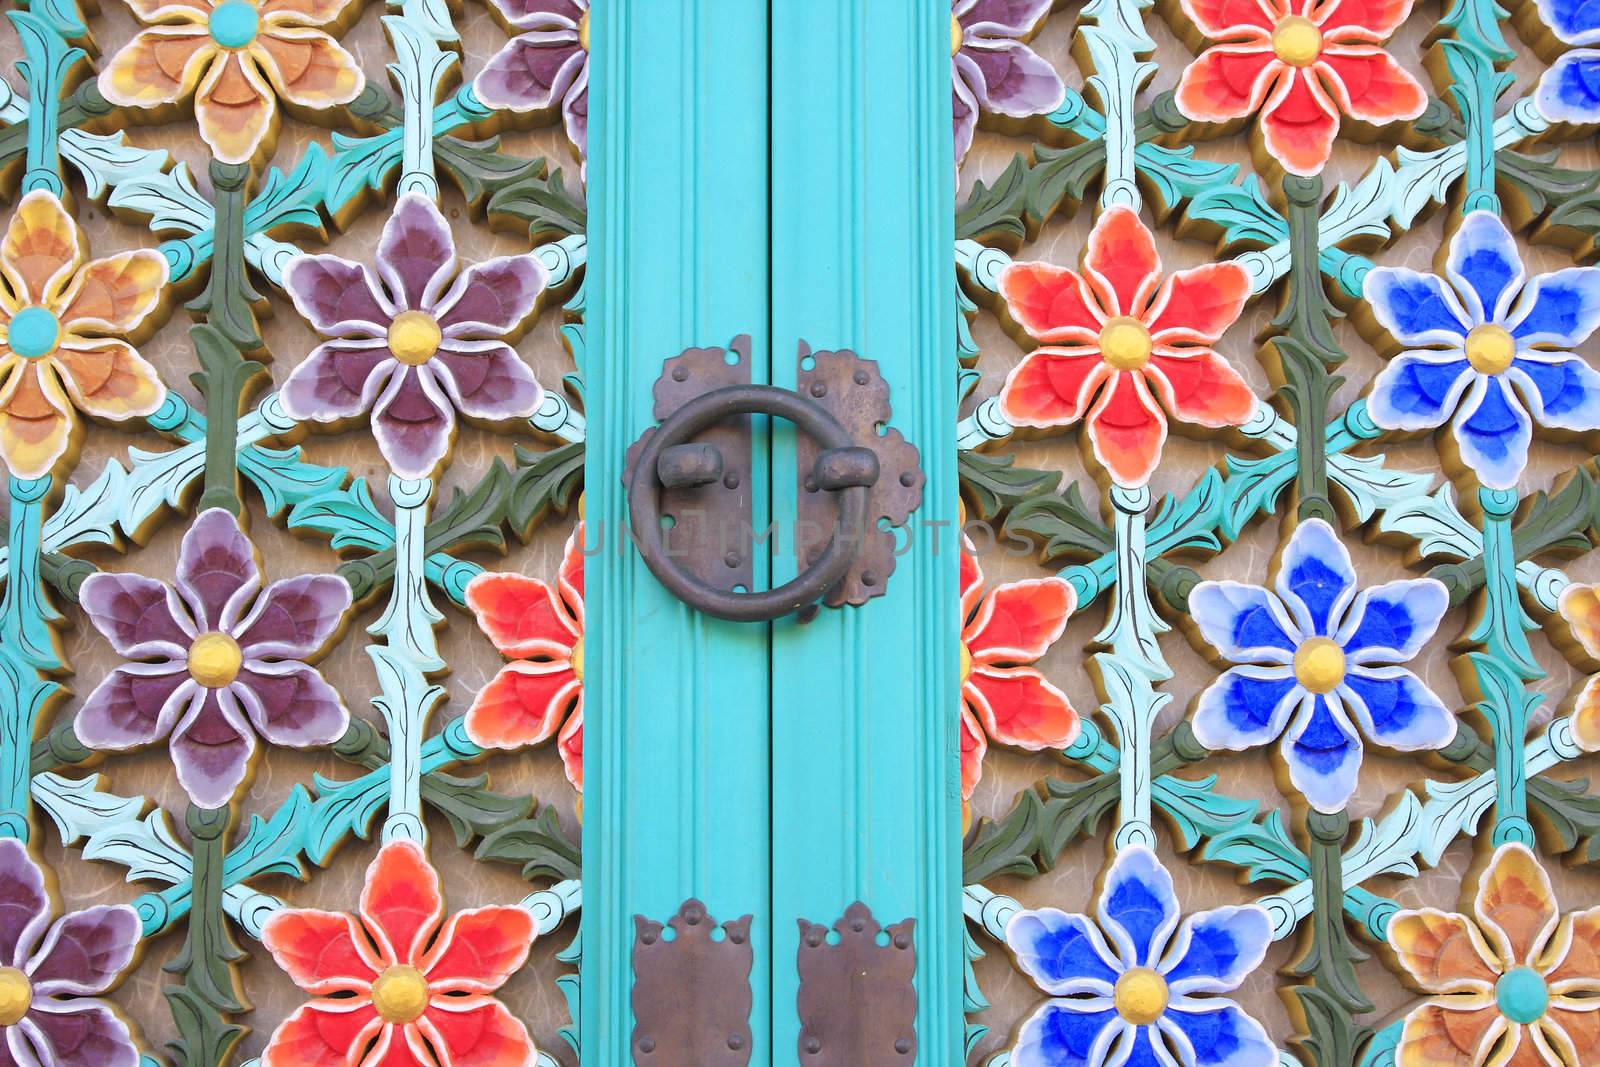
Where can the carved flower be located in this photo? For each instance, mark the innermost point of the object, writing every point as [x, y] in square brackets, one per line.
[1514, 983]
[993, 70]
[1300, 63]
[545, 65]
[59, 322]
[1570, 89]
[1132, 984]
[237, 58]
[1486, 348]
[541, 630]
[1318, 661]
[1002, 699]
[1125, 346]
[393, 987]
[216, 660]
[49, 973]
[1580, 607]
[416, 342]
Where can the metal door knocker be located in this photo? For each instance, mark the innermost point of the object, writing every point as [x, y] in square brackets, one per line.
[857, 480]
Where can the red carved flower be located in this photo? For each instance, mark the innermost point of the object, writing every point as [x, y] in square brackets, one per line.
[1301, 63]
[1122, 345]
[393, 987]
[1002, 699]
[541, 690]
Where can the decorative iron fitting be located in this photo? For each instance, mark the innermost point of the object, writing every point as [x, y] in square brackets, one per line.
[857, 1000]
[688, 482]
[691, 992]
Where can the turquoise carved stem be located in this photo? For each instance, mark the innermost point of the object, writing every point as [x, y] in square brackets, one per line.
[1470, 57]
[419, 69]
[1115, 41]
[49, 58]
[1130, 670]
[1502, 663]
[26, 648]
[406, 657]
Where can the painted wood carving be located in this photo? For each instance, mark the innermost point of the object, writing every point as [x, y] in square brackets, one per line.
[308, 266]
[1278, 353]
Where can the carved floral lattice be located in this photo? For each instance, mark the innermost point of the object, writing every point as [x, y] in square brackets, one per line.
[272, 269]
[1329, 686]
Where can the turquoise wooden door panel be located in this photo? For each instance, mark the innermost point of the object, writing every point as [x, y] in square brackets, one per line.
[866, 797]
[784, 770]
[679, 194]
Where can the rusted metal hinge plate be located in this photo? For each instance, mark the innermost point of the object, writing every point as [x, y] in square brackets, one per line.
[691, 991]
[853, 391]
[857, 1001]
[711, 530]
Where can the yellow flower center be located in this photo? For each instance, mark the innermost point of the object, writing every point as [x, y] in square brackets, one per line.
[400, 994]
[414, 337]
[577, 659]
[956, 34]
[1141, 996]
[1125, 343]
[1297, 41]
[1319, 665]
[966, 664]
[214, 660]
[1490, 348]
[16, 996]
[583, 31]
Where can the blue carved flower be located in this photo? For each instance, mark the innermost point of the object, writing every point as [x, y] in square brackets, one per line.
[1570, 89]
[1489, 346]
[1316, 659]
[1134, 987]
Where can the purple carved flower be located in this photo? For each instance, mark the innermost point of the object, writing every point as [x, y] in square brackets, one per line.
[49, 971]
[993, 70]
[216, 660]
[409, 343]
[546, 65]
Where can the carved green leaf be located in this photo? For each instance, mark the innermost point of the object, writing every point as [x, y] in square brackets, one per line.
[538, 845]
[993, 485]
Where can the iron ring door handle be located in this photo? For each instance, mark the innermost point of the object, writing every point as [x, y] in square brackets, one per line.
[668, 460]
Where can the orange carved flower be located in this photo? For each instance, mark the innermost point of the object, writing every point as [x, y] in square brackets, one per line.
[1002, 698]
[1122, 348]
[237, 58]
[394, 987]
[1301, 64]
[59, 322]
[541, 690]
[1513, 984]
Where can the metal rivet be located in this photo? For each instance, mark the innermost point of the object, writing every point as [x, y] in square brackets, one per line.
[647, 1044]
[869, 578]
[736, 936]
[730, 480]
[680, 374]
[736, 1042]
[902, 941]
[858, 925]
[692, 918]
[648, 939]
[902, 1046]
[810, 484]
[731, 559]
[813, 1045]
[908, 479]
[819, 390]
[861, 378]
[813, 939]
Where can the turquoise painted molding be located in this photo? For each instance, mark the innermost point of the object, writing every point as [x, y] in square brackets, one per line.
[676, 746]
[866, 794]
